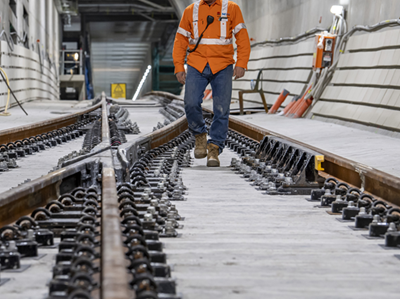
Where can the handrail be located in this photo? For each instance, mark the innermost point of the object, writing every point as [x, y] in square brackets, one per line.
[8, 40]
[5, 113]
[22, 40]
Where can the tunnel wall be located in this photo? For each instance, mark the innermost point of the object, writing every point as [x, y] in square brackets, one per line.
[269, 19]
[364, 90]
[32, 67]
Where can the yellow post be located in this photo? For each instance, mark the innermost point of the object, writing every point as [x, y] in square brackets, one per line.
[5, 113]
[318, 161]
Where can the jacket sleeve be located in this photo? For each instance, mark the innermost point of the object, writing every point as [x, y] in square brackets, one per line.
[242, 38]
[181, 42]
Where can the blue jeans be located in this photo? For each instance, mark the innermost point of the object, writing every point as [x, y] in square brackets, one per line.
[221, 84]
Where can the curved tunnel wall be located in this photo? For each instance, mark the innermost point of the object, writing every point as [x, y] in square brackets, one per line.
[31, 75]
[364, 90]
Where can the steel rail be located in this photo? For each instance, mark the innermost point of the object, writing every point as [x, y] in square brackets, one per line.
[169, 132]
[26, 131]
[377, 182]
[114, 275]
[22, 200]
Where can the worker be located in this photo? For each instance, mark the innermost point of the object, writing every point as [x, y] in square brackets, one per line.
[207, 27]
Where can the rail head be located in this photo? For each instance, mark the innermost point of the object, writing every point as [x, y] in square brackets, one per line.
[114, 275]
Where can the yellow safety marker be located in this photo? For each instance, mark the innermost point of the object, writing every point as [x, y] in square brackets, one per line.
[5, 113]
[118, 90]
[318, 160]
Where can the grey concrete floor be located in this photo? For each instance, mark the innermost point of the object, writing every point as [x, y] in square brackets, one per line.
[32, 283]
[239, 243]
[146, 117]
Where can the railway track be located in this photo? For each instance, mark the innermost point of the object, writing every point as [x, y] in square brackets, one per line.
[104, 212]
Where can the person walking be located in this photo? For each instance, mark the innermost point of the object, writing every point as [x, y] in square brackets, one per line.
[207, 28]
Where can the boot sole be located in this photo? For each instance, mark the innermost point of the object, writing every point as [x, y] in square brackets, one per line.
[212, 163]
[200, 156]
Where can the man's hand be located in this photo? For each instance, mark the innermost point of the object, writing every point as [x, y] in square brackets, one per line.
[238, 72]
[181, 76]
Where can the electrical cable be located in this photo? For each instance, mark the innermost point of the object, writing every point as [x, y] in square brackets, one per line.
[8, 40]
[5, 113]
[210, 20]
[327, 75]
[8, 85]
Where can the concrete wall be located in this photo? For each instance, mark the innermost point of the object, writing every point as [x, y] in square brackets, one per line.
[31, 75]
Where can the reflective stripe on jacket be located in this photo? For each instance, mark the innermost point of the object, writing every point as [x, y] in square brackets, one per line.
[216, 47]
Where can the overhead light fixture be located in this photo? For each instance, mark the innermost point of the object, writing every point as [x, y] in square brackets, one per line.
[337, 10]
[146, 73]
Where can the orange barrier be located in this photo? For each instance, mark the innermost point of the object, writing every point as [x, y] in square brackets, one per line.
[207, 94]
[282, 97]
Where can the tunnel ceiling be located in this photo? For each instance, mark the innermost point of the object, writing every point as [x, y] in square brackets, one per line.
[121, 34]
[122, 10]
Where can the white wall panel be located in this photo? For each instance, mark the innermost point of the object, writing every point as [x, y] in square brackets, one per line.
[23, 64]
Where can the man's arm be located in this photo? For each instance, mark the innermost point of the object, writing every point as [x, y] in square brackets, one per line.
[180, 46]
[242, 42]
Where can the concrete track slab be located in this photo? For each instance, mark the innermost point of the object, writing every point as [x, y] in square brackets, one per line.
[371, 149]
[238, 243]
[361, 146]
[146, 117]
[40, 111]
[33, 283]
[38, 164]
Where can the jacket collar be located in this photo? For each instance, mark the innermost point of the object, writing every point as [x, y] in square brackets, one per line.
[218, 2]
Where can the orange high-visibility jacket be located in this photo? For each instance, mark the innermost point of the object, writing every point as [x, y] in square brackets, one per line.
[216, 47]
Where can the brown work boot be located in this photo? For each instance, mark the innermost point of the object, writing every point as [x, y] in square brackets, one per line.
[200, 150]
[212, 156]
